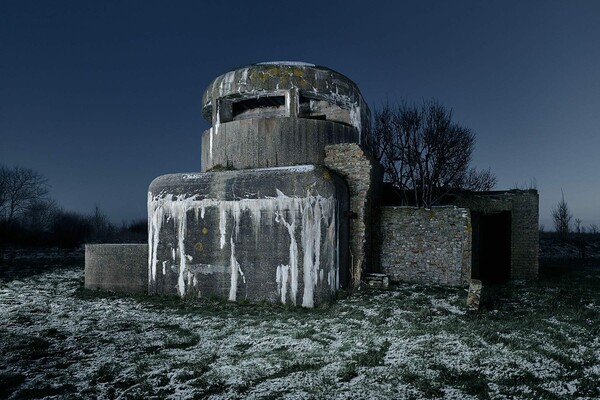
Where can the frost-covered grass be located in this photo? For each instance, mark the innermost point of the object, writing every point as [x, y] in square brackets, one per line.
[535, 341]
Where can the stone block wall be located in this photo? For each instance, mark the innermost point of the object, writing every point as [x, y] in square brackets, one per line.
[525, 235]
[426, 245]
[364, 176]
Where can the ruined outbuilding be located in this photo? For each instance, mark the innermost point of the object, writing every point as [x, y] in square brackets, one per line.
[285, 207]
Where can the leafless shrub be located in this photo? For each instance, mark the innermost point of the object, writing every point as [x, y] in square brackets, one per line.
[562, 217]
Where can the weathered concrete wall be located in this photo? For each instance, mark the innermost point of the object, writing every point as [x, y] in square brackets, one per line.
[273, 234]
[426, 246]
[299, 83]
[524, 208]
[117, 267]
[364, 177]
[273, 142]
[278, 114]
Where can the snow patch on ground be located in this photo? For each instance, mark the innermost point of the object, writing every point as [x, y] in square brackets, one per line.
[410, 341]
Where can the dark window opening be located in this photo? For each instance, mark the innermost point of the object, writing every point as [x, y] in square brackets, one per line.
[260, 106]
[491, 257]
[312, 107]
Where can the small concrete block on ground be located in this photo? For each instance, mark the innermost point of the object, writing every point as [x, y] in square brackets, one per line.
[117, 267]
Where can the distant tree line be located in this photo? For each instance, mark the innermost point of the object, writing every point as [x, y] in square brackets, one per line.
[30, 218]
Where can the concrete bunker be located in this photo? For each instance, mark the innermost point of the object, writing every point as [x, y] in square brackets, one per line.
[277, 114]
[275, 224]
[286, 206]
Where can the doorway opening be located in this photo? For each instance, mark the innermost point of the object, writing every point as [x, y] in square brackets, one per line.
[491, 256]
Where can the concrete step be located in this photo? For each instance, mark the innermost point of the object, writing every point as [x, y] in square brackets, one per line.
[377, 279]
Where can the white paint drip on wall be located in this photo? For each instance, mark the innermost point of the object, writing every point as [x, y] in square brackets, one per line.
[314, 209]
[293, 263]
[235, 267]
[222, 224]
[311, 244]
[210, 143]
[227, 83]
[244, 79]
[214, 131]
[355, 120]
[283, 274]
[179, 215]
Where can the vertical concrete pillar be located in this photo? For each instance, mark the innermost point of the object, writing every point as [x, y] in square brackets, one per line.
[292, 102]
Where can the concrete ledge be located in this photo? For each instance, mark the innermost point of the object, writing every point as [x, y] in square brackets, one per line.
[117, 267]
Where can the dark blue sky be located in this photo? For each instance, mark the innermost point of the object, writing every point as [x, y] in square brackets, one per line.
[101, 97]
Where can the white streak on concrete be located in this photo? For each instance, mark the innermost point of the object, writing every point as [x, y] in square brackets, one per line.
[222, 224]
[311, 245]
[283, 273]
[235, 267]
[227, 83]
[293, 263]
[180, 217]
[291, 168]
[210, 143]
[316, 212]
[355, 120]
[244, 79]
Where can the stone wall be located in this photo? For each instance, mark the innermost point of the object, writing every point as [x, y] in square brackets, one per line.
[426, 246]
[524, 208]
[364, 177]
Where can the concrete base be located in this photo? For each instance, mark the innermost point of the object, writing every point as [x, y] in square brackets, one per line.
[117, 267]
[275, 234]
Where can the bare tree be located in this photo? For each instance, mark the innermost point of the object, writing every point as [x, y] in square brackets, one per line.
[20, 189]
[101, 227]
[562, 217]
[424, 153]
[578, 227]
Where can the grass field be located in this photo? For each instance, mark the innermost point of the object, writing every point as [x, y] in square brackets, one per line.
[530, 340]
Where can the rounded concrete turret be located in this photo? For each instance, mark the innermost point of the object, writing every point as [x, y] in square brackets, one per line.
[279, 114]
